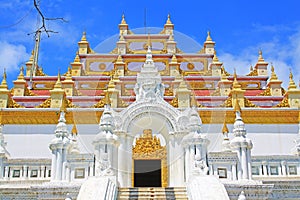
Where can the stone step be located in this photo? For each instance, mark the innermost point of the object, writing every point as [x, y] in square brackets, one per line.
[169, 193]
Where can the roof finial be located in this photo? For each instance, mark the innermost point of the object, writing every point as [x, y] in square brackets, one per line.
[149, 40]
[77, 59]
[169, 19]
[260, 57]
[83, 38]
[74, 130]
[21, 74]
[107, 99]
[193, 101]
[123, 19]
[58, 82]
[251, 68]
[208, 38]
[225, 128]
[292, 84]
[4, 83]
[273, 74]
[215, 59]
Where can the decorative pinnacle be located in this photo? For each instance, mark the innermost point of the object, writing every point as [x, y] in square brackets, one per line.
[4, 83]
[260, 57]
[251, 68]
[292, 84]
[273, 74]
[193, 101]
[174, 59]
[223, 75]
[21, 74]
[225, 128]
[77, 59]
[74, 130]
[149, 41]
[83, 38]
[31, 56]
[123, 19]
[215, 59]
[208, 38]
[169, 19]
[236, 84]
[69, 74]
[58, 82]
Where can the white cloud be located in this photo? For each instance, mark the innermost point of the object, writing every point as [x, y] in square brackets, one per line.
[12, 56]
[282, 53]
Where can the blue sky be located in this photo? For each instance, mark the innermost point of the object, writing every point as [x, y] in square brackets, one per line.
[239, 28]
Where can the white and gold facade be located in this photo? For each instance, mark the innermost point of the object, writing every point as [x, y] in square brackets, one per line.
[148, 100]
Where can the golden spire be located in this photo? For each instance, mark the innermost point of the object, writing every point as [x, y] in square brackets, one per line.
[69, 74]
[149, 41]
[225, 129]
[107, 98]
[193, 101]
[77, 59]
[292, 84]
[273, 74]
[21, 74]
[123, 19]
[237, 107]
[174, 59]
[74, 130]
[236, 84]
[260, 57]
[223, 75]
[119, 60]
[58, 82]
[208, 38]
[31, 57]
[4, 83]
[169, 19]
[83, 38]
[251, 68]
[111, 83]
[215, 59]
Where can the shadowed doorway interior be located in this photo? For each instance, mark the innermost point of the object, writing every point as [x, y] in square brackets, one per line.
[147, 173]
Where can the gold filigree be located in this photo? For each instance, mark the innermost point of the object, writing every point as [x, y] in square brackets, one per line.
[224, 71]
[284, 103]
[266, 92]
[174, 102]
[148, 147]
[13, 104]
[227, 103]
[45, 104]
[28, 92]
[69, 104]
[122, 103]
[253, 73]
[248, 103]
[100, 104]
[169, 92]
[39, 72]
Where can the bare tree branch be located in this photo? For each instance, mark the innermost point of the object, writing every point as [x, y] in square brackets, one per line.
[43, 27]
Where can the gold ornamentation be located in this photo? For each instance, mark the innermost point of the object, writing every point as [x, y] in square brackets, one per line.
[45, 104]
[28, 92]
[248, 103]
[284, 103]
[224, 71]
[13, 104]
[217, 92]
[174, 102]
[253, 73]
[39, 72]
[227, 103]
[122, 103]
[148, 147]
[266, 92]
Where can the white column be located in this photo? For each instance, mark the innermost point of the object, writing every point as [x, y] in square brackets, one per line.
[64, 167]
[249, 164]
[53, 165]
[211, 169]
[122, 161]
[21, 172]
[265, 170]
[233, 171]
[43, 171]
[244, 163]
[58, 164]
[171, 163]
[64, 162]
[129, 143]
[91, 171]
[187, 163]
[179, 181]
[97, 158]
[68, 173]
[283, 168]
[6, 173]
[1, 167]
[25, 172]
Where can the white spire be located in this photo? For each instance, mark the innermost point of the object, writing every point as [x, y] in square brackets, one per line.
[149, 55]
[61, 130]
[195, 121]
[239, 125]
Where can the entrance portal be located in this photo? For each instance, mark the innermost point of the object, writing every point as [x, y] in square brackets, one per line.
[149, 162]
[147, 173]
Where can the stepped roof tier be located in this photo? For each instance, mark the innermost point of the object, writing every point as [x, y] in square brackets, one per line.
[91, 75]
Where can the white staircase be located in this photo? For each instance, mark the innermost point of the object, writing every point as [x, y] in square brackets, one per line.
[149, 193]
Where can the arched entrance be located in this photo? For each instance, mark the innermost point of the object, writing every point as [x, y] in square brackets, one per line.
[149, 162]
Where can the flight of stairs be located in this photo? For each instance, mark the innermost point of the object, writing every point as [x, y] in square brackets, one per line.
[169, 193]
